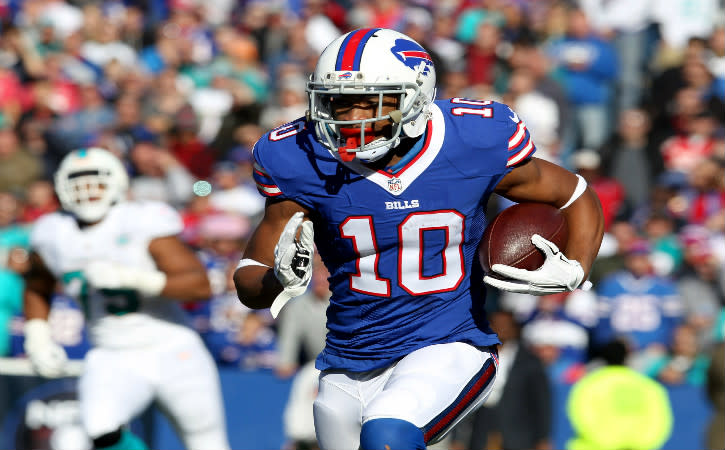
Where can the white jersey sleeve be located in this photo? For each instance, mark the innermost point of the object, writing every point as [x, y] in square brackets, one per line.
[44, 237]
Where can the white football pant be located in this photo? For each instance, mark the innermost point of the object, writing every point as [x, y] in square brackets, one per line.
[117, 384]
[434, 388]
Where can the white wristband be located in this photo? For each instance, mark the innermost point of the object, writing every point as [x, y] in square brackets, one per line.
[250, 262]
[581, 186]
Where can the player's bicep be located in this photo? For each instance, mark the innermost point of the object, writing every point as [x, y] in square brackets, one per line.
[276, 215]
[538, 180]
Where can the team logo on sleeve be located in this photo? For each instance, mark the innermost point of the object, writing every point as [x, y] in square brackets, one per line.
[412, 55]
[395, 185]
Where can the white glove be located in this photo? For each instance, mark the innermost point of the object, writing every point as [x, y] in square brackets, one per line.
[47, 356]
[557, 274]
[293, 260]
[109, 275]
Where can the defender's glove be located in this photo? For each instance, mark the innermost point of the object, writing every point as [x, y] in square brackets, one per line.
[293, 260]
[557, 274]
[109, 275]
[47, 357]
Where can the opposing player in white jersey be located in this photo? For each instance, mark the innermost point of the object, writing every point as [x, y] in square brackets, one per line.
[125, 264]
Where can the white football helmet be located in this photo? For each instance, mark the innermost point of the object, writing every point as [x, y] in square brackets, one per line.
[371, 61]
[89, 181]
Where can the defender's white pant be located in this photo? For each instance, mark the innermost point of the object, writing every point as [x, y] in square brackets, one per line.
[433, 388]
[118, 384]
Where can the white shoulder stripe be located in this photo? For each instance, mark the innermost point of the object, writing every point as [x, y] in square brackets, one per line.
[526, 151]
[516, 139]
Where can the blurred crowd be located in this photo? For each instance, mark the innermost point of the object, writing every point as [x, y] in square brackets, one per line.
[630, 94]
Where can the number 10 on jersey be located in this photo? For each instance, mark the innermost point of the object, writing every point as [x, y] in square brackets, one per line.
[410, 232]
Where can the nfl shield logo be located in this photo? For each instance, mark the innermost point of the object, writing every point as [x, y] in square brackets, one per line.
[395, 185]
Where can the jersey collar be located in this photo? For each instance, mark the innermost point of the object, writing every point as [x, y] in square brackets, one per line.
[398, 182]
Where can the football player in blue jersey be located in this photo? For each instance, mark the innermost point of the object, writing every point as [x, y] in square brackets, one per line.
[390, 186]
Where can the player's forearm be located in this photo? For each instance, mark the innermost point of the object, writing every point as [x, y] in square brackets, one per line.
[586, 228]
[187, 286]
[257, 287]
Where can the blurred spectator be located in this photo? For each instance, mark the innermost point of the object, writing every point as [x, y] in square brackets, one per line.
[290, 102]
[443, 42]
[637, 306]
[541, 65]
[12, 232]
[74, 130]
[612, 251]
[698, 281]
[632, 411]
[164, 101]
[629, 157]
[39, 199]
[702, 200]
[211, 103]
[589, 68]
[483, 63]
[302, 324]
[683, 152]
[158, 175]
[18, 168]
[680, 20]
[319, 30]
[106, 46]
[186, 145]
[627, 25]
[659, 229]
[222, 238]
[192, 214]
[558, 332]
[249, 344]
[231, 194]
[683, 363]
[517, 412]
[611, 193]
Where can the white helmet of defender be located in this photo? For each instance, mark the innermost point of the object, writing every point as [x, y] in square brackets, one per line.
[372, 61]
[89, 181]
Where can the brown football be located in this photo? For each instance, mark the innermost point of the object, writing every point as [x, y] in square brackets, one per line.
[507, 238]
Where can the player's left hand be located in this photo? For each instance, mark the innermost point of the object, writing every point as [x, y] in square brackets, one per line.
[103, 274]
[557, 274]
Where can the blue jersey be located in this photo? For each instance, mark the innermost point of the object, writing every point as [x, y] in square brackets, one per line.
[401, 247]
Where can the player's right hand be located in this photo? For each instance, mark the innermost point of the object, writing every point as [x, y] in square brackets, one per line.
[293, 259]
[47, 357]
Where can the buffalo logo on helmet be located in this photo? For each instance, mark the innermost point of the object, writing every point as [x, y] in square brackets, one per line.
[345, 76]
[412, 55]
